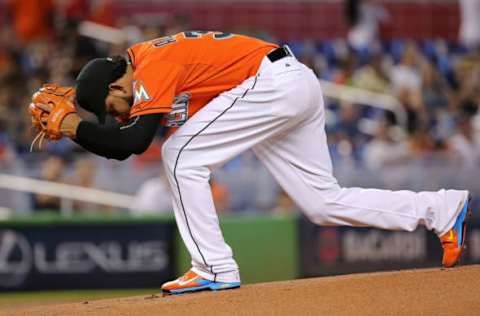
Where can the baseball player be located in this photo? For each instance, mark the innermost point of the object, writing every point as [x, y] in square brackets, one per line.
[229, 93]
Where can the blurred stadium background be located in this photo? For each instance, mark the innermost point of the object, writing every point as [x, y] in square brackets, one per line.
[402, 86]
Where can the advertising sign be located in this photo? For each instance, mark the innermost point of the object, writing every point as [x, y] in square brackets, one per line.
[341, 250]
[85, 256]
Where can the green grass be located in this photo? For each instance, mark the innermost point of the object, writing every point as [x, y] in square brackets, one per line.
[14, 299]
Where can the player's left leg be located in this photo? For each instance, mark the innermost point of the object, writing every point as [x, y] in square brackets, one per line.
[300, 162]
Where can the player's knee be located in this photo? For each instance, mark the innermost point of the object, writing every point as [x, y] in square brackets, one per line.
[323, 212]
[317, 215]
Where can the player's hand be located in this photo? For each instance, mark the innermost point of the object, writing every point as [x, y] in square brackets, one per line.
[69, 125]
[50, 106]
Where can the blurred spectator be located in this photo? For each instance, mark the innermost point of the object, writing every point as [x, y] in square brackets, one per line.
[383, 151]
[84, 173]
[365, 17]
[465, 144]
[346, 70]
[352, 11]
[434, 88]
[405, 76]
[79, 49]
[73, 10]
[468, 77]
[52, 169]
[372, 76]
[32, 19]
[437, 100]
[406, 85]
[153, 197]
[348, 137]
[422, 144]
[7, 155]
[102, 12]
[84, 176]
[470, 23]
[308, 56]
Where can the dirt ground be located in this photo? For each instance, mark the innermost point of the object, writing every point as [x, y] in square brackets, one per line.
[426, 291]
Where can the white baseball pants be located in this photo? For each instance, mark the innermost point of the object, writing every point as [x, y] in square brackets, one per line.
[280, 114]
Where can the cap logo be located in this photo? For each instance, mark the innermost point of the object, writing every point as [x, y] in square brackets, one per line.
[140, 93]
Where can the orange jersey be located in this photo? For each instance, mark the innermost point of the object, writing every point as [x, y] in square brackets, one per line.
[202, 64]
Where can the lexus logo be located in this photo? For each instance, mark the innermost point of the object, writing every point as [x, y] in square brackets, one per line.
[15, 259]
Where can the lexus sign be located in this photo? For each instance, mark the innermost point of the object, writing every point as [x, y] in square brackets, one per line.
[62, 256]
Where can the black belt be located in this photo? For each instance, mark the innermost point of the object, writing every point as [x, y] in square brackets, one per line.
[278, 54]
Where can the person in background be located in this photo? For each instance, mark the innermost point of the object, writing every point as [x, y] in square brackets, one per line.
[384, 151]
[406, 85]
[153, 197]
[348, 63]
[52, 169]
[470, 23]
[372, 76]
[103, 12]
[365, 17]
[405, 76]
[435, 91]
[437, 99]
[346, 134]
[84, 176]
[465, 144]
[32, 19]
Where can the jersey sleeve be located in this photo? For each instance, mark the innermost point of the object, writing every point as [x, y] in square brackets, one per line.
[154, 87]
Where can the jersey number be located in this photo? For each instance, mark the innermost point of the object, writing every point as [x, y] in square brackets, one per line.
[199, 34]
[159, 42]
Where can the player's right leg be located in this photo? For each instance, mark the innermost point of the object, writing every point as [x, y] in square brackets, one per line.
[301, 163]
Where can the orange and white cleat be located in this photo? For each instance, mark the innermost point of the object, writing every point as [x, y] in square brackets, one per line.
[192, 282]
[453, 242]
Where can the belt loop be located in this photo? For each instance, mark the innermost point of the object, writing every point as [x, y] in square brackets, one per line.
[287, 48]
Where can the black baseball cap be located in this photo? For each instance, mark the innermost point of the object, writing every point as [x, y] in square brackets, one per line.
[92, 86]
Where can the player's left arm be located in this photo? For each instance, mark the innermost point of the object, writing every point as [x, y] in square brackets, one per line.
[117, 141]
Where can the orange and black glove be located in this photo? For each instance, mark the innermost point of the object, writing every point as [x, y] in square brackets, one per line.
[50, 105]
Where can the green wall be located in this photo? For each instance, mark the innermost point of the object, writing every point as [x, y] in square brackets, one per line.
[265, 247]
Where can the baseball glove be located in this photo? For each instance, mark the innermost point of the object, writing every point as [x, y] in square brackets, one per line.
[50, 104]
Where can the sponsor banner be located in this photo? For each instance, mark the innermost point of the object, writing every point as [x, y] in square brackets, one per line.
[85, 256]
[341, 250]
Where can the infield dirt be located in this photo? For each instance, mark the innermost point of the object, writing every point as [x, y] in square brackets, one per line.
[410, 292]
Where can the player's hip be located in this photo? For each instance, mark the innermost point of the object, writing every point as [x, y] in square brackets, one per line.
[289, 81]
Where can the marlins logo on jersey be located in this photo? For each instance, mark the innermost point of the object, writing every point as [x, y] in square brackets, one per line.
[140, 93]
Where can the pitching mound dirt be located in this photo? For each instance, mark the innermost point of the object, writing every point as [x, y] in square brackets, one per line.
[426, 291]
